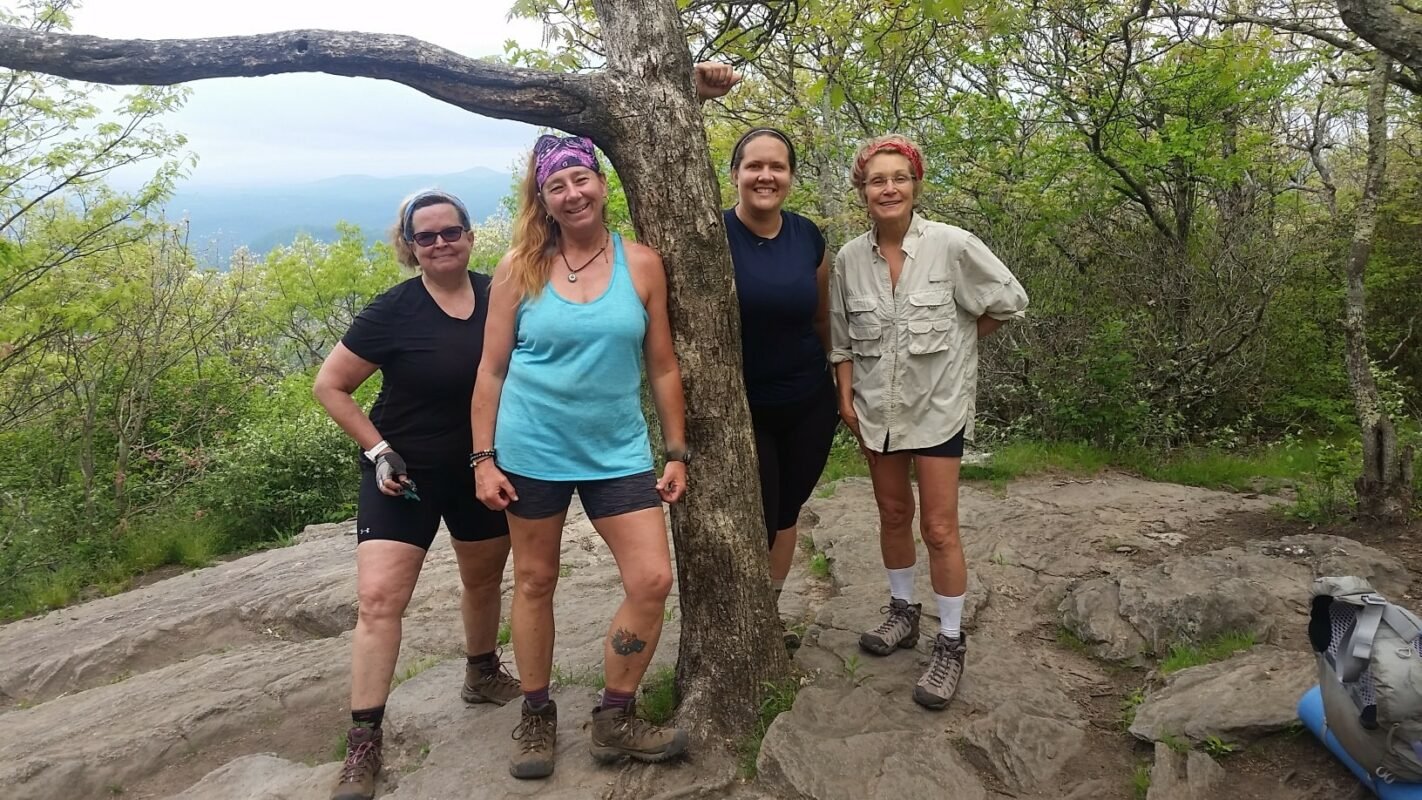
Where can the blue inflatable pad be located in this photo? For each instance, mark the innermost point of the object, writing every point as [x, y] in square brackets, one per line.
[1311, 714]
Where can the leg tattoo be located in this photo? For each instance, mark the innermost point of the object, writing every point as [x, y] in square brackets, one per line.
[625, 643]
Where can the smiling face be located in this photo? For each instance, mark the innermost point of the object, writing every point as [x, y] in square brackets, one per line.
[440, 256]
[889, 188]
[763, 176]
[575, 197]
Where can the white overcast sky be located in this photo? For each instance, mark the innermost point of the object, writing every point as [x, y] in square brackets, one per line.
[285, 128]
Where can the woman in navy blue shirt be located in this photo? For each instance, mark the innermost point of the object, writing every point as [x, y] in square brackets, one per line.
[782, 279]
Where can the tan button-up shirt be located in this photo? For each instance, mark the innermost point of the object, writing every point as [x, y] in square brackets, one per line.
[915, 346]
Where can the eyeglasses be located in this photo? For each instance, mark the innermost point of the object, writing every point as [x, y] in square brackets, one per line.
[880, 181]
[450, 234]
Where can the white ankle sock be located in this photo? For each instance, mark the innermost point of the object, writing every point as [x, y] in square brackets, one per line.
[950, 615]
[901, 584]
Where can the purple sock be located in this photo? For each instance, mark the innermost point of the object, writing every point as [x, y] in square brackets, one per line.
[536, 699]
[615, 699]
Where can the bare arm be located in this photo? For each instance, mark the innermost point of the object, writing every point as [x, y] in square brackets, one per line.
[986, 326]
[341, 374]
[490, 484]
[663, 373]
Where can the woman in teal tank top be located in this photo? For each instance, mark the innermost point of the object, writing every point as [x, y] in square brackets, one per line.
[575, 315]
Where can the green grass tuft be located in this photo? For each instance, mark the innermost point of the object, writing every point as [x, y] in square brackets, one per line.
[819, 565]
[414, 668]
[505, 633]
[1140, 782]
[659, 697]
[1184, 655]
[1068, 638]
[778, 699]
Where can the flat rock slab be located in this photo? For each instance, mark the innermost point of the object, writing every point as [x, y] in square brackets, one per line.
[266, 777]
[82, 744]
[1261, 590]
[1184, 776]
[1237, 700]
[298, 592]
[835, 745]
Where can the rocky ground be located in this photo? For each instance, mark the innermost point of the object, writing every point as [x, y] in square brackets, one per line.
[230, 682]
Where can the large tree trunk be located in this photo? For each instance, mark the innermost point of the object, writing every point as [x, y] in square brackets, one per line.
[643, 113]
[658, 145]
[1385, 487]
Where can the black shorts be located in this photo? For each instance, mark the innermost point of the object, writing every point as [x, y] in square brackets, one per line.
[446, 492]
[540, 499]
[953, 448]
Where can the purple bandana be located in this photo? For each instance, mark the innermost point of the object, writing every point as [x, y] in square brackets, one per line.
[554, 153]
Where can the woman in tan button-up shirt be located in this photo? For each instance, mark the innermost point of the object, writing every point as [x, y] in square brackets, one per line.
[909, 300]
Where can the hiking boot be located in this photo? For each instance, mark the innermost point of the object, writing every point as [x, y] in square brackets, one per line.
[535, 737]
[498, 687]
[900, 629]
[792, 640]
[619, 732]
[940, 682]
[357, 781]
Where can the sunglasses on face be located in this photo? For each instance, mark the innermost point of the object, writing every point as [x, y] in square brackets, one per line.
[450, 234]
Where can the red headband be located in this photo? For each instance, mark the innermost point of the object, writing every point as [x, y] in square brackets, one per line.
[902, 148]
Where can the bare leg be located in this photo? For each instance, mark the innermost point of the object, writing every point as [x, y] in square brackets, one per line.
[481, 571]
[938, 491]
[386, 572]
[535, 554]
[894, 496]
[638, 541]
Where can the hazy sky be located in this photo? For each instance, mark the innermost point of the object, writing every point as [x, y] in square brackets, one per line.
[282, 128]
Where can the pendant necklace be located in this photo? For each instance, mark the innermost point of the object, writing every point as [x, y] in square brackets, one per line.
[573, 273]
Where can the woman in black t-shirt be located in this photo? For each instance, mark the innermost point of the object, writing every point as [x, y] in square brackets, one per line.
[426, 336]
[782, 278]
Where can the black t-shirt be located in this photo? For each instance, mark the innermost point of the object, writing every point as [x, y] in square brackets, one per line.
[428, 360]
[775, 283]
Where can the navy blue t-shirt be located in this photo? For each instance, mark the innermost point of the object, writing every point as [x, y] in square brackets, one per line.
[775, 283]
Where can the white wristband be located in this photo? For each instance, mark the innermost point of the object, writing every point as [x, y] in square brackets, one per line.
[380, 447]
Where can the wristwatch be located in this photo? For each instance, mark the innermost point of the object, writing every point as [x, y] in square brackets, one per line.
[682, 454]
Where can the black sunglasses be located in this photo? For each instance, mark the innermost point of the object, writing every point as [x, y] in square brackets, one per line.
[450, 234]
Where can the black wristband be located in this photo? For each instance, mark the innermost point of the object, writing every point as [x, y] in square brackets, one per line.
[480, 455]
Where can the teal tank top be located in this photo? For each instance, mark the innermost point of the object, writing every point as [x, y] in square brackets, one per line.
[571, 406]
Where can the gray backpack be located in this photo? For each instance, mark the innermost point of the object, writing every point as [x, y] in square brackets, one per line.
[1370, 676]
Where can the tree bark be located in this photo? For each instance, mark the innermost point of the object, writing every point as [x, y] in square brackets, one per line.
[643, 112]
[1385, 487]
[731, 645]
[1391, 30]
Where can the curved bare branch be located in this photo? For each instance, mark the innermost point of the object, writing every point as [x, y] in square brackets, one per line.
[570, 102]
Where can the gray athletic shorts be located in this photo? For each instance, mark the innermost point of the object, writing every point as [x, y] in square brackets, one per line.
[540, 499]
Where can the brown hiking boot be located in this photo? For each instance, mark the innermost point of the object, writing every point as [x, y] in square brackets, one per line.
[535, 738]
[619, 732]
[497, 687]
[900, 629]
[357, 781]
[940, 682]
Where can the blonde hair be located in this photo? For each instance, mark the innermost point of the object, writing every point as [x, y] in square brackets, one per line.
[535, 237]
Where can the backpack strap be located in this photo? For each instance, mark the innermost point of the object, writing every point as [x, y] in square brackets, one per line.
[1404, 622]
[1357, 647]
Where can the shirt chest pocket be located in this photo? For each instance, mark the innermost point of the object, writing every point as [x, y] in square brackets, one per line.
[930, 321]
[865, 328]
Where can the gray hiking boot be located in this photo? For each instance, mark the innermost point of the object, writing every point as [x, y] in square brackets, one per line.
[534, 740]
[497, 687]
[619, 732]
[357, 780]
[940, 682]
[899, 629]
